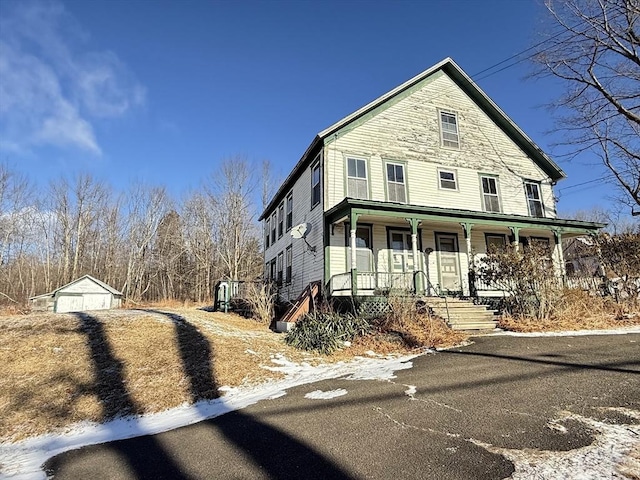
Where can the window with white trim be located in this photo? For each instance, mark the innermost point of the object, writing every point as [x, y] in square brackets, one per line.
[449, 129]
[448, 179]
[289, 211]
[357, 184]
[534, 199]
[490, 197]
[396, 187]
[315, 185]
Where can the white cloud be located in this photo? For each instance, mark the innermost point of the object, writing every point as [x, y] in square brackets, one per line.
[52, 90]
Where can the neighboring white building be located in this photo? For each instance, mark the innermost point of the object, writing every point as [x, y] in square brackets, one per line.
[407, 190]
[85, 293]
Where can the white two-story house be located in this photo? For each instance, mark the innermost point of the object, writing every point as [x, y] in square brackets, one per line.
[406, 191]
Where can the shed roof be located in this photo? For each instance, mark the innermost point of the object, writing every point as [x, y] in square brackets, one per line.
[95, 280]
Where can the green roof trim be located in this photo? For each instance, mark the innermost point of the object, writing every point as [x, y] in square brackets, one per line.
[454, 215]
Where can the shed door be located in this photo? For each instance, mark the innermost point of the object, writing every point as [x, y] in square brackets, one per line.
[97, 301]
[69, 303]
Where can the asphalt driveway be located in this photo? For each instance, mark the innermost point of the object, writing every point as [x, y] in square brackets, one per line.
[448, 417]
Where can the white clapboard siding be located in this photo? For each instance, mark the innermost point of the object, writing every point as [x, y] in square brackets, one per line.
[409, 131]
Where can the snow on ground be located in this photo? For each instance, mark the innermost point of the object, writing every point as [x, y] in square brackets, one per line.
[574, 333]
[600, 460]
[22, 460]
[320, 395]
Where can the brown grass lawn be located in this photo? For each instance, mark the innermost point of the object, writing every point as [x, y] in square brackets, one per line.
[58, 369]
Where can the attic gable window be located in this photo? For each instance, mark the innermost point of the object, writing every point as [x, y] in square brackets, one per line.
[357, 184]
[448, 179]
[315, 185]
[449, 129]
[534, 199]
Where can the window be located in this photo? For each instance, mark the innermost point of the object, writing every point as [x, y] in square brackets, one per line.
[272, 274]
[364, 252]
[273, 228]
[280, 219]
[315, 185]
[289, 261]
[395, 183]
[266, 232]
[279, 266]
[448, 179]
[495, 242]
[532, 190]
[357, 186]
[289, 211]
[449, 129]
[490, 197]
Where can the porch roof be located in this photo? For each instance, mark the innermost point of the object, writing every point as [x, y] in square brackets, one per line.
[390, 209]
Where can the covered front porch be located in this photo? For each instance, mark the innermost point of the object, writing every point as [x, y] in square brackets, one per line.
[376, 248]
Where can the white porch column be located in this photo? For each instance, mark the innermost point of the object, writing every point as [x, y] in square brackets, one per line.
[354, 263]
[417, 278]
[559, 254]
[466, 228]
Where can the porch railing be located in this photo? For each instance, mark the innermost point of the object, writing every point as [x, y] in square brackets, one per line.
[382, 283]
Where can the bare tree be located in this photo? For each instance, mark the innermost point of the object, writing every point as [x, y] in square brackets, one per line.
[234, 215]
[597, 55]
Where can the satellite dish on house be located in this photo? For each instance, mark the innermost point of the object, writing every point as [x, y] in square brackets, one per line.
[300, 231]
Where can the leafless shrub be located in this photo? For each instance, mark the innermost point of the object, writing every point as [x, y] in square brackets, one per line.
[261, 299]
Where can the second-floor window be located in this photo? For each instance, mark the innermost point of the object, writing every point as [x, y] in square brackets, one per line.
[267, 232]
[534, 199]
[289, 262]
[357, 186]
[273, 228]
[280, 219]
[396, 188]
[449, 129]
[448, 179]
[289, 211]
[490, 197]
[315, 185]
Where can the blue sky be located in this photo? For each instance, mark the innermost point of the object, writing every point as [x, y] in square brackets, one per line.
[162, 91]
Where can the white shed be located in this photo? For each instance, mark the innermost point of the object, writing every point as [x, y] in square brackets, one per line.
[85, 293]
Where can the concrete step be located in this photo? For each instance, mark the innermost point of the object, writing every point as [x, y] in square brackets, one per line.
[474, 326]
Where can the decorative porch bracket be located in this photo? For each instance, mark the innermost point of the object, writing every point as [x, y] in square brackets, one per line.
[466, 229]
[353, 219]
[418, 283]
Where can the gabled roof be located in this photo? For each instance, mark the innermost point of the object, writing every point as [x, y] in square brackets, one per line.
[467, 85]
[95, 280]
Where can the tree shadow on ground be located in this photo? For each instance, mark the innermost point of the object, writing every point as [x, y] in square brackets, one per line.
[274, 452]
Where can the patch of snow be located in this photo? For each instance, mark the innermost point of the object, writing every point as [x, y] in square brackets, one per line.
[557, 427]
[320, 395]
[251, 352]
[600, 460]
[410, 391]
[22, 460]
[575, 333]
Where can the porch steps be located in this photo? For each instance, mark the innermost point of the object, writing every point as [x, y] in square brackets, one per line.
[462, 314]
[301, 306]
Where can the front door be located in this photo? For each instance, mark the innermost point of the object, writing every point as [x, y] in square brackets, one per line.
[448, 262]
[402, 264]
